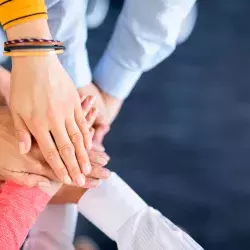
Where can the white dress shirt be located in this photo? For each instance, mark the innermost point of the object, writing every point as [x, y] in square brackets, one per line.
[145, 34]
[124, 217]
[117, 211]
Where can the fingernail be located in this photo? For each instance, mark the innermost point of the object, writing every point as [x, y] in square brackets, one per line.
[105, 173]
[92, 100]
[93, 184]
[94, 111]
[67, 180]
[44, 184]
[98, 147]
[101, 160]
[101, 148]
[80, 180]
[87, 168]
[83, 97]
[22, 148]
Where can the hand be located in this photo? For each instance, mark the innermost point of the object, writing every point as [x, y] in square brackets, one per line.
[108, 106]
[32, 169]
[44, 103]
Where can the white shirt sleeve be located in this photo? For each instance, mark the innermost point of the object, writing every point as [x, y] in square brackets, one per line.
[146, 33]
[124, 217]
[54, 229]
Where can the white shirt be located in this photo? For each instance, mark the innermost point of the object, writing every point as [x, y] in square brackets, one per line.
[145, 34]
[117, 211]
[124, 217]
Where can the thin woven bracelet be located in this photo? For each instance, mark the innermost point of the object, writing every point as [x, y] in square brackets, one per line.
[33, 53]
[28, 40]
[31, 47]
[34, 43]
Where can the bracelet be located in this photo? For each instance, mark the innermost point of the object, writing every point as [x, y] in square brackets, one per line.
[33, 53]
[30, 47]
[31, 40]
[33, 44]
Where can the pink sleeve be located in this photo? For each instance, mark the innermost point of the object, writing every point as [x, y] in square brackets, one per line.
[19, 208]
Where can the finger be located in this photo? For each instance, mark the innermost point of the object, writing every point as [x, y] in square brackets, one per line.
[100, 173]
[80, 151]
[51, 155]
[67, 152]
[83, 126]
[98, 158]
[98, 147]
[92, 183]
[87, 104]
[29, 180]
[100, 131]
[92, 132]
[23, 134]
[81, 94]
[91, 116]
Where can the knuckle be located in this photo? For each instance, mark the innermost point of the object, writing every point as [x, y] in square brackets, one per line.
[67, 150]
[19, 132]
[62, 172]
[51, 155]
[74, 170]
[82, 121]
[76, 138]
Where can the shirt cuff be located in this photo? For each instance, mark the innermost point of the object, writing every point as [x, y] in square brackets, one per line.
[111, 205]
[113, 78]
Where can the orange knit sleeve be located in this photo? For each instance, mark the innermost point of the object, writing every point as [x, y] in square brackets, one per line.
[13, 12]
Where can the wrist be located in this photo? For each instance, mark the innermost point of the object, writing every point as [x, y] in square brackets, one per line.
[113, 105]
[34, 29]
[51, 189]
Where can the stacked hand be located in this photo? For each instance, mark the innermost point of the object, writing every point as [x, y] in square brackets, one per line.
[108, 109]
[108, 106]
[31, 169]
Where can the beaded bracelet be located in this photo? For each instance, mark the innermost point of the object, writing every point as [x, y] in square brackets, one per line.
[33, 53]
[28, 40]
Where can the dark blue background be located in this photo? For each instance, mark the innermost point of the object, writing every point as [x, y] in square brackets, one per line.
[182, 140]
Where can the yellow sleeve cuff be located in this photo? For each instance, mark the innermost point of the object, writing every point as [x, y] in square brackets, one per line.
[13, 12]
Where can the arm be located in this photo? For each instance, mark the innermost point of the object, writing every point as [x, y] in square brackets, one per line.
[124, 217]
[145, 34]
[19, 207]
[52, 115]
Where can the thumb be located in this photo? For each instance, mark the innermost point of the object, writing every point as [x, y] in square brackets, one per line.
[22, 134]
[100, 131]
[30, 180]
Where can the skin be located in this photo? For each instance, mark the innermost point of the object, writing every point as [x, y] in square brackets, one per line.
[56, 121]
[32, 169]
